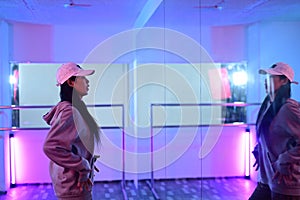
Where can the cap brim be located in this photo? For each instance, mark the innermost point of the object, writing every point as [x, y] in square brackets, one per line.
[295, 82]
[272, 72]
[268, 71]
[84, 72]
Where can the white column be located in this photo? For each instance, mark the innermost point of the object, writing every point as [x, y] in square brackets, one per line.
[145, 15]
[5, 99]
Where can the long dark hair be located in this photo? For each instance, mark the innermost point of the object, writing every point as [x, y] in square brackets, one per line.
[282, 94]
[68, 94]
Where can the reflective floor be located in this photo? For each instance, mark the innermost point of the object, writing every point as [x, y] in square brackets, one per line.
[179, 189]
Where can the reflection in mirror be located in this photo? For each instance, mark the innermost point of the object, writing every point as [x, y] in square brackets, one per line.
[237, 79]
[14, 82]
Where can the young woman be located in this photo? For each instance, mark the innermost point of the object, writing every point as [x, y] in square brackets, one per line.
[70, 142]
[278, 134]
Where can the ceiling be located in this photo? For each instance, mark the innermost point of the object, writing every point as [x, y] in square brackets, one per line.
[153, 12]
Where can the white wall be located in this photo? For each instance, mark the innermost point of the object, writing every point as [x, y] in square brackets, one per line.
[74, 43]
[32, 42]
[5, 99]
[268, 43]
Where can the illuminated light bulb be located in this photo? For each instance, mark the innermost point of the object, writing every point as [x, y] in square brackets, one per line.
[12, 80]
[239, 78]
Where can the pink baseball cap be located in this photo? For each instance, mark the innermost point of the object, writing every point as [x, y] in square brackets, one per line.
[68, 70]
[280, 68]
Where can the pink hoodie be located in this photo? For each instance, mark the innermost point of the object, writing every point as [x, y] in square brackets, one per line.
[69, 145]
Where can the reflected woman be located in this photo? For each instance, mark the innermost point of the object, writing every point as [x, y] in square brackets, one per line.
[278, 134]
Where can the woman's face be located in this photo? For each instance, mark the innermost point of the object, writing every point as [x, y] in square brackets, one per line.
[81, 85]
[273, 83]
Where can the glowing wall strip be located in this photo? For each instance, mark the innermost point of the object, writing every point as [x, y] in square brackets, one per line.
[12, 160]
[247, 152]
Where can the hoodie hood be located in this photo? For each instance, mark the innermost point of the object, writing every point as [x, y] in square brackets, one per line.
[54, 112]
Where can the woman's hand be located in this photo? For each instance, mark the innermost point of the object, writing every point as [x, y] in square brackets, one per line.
[256, 156]
[282, 172]
[286, 179]
[87, 185]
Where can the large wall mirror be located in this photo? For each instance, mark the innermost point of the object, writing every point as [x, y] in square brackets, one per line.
[34, 84]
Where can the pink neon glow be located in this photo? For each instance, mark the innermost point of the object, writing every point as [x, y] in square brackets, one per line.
[31, 163]
[19, 155]
[7, 160]
[12, 161]
[14, 194]
[225, 91]
[247, 153]
[240, 156]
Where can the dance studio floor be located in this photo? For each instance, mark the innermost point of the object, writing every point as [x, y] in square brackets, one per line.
[179, 189]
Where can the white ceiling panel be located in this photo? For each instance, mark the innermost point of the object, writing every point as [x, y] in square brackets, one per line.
[125, 12]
